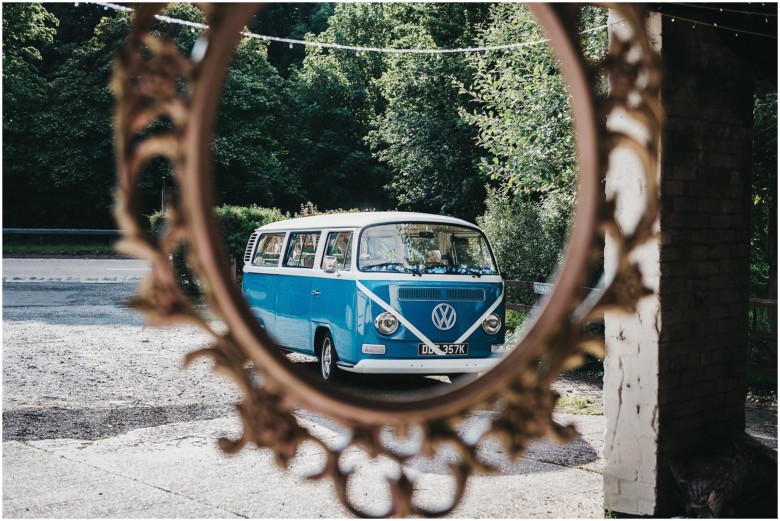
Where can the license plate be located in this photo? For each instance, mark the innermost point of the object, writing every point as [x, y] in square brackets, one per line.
[447, 349]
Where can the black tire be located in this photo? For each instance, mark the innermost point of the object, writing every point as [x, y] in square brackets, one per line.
[462, 378]
[328, 358]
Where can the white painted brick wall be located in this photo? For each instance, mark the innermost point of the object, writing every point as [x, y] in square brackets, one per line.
[631, 365]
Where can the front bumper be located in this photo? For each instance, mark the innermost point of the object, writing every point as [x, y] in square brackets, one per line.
[423, 366]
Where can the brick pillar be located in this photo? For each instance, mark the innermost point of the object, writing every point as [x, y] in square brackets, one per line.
[675, 375]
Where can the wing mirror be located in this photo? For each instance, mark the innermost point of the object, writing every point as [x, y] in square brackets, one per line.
[329, 264]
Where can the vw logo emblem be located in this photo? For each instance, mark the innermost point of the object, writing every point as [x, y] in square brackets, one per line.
[444, 316]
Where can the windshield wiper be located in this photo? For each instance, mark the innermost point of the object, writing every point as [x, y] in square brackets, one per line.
[416, 270]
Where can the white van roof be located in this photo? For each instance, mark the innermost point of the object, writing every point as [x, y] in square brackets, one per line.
[358, 220]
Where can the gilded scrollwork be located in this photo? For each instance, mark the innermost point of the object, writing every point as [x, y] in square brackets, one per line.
[166, 105]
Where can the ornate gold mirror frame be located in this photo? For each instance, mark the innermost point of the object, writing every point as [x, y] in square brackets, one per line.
[156, 87]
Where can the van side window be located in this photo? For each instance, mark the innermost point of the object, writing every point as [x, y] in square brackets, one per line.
[269, 249]
[301, 250]
[339, 245]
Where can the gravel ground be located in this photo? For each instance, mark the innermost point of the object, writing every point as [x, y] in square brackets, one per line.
[78, 363]
[83, 376]
[95, 402]
[73, 368]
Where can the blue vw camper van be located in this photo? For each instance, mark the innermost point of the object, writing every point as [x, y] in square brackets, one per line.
[378, 292]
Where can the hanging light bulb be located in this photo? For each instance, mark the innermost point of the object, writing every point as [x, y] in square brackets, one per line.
[291, 46]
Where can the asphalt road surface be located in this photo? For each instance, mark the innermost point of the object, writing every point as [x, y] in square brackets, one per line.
[95, 403]
[74, 270]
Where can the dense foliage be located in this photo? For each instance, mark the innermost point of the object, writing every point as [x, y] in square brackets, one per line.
[431, 151]
[527, 236]
[236, 224]
[763, 217]
[522, 110]
[482, 136]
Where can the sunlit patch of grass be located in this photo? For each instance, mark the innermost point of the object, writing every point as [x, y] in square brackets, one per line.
[578, 405]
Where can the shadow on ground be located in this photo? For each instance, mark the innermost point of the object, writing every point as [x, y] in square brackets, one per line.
[93, 424]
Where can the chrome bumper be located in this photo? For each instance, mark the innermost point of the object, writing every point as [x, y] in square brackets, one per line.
[425, 366]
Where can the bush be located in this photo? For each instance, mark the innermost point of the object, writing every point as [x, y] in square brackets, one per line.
[236, 224]
[309, 209]
[527, 236]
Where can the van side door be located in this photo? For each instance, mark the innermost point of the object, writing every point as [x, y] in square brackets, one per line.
[294, 292]
[333, 305]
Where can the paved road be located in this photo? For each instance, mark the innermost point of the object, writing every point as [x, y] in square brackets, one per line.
[74, 270]
[99, 420]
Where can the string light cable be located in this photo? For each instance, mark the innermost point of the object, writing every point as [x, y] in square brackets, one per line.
[356, 48]
[727, 10]
[737, 31]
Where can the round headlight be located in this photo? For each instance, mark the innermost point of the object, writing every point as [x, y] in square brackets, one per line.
[386, 323]
[492, 324]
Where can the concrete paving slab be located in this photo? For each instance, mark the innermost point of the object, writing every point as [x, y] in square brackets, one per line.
[176, 471]
[41, 484]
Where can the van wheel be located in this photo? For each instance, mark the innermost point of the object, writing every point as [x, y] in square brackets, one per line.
[463, 378]
[328, 358]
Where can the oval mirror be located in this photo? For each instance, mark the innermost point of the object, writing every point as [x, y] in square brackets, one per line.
[393, 306]
[153, 81]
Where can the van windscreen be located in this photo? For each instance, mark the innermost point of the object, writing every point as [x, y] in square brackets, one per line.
[419, 248]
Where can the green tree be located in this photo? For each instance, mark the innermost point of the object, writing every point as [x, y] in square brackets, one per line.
[252, 129]
[27, 28]
[59, 161]
[521, 103]
[527, 236]
[333, 98]
[521, 109]
[764, 212]
[77, 162]
[422, 155]
[252, 122]
[420, 135]
[78, 22]
[290, 20]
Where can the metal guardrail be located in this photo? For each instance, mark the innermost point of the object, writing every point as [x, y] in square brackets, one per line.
[540, 289]
[59, 231]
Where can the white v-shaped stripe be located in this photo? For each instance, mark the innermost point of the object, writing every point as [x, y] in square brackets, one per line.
[408, 325]
[416, 332]
[481, 319]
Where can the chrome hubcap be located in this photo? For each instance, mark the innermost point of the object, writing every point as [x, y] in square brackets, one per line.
[326, 358]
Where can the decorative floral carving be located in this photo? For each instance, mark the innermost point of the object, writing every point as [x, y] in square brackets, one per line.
[158, 89]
